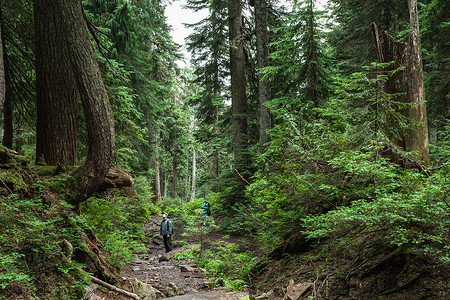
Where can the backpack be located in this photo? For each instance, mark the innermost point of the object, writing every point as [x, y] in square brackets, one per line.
[208, 211]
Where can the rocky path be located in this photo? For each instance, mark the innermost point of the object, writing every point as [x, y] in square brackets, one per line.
[157, 275]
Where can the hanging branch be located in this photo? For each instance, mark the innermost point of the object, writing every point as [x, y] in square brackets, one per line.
[92, 28]
[242, 177]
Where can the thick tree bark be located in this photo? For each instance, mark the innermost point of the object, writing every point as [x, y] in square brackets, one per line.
[6, 101]
[94, 99]
[238, 82]
[409, 80]
[71, 38]
[2, 66]
[56, 130]
[264, 88]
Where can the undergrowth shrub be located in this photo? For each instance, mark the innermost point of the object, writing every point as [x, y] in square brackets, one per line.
[118, 222]
[32, 252]
[328, 178]
[222, 260]
[417, 216]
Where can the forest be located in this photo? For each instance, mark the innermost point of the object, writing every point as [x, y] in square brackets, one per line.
[319, 132]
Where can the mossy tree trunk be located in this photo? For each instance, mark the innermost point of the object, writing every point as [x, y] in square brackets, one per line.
[71, 38]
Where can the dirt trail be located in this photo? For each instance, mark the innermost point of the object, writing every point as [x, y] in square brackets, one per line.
[181, 280]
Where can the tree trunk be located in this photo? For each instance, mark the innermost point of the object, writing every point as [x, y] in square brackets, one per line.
[264, 88]
[8, 130]
[238, 83]
[2, 65]
[216, 115]
[73, 42]
[409, 80]
[417, 136]
[174, 191]
[194, 174]
[164, 187]
[155, 163]
[56, 129]
[8, 133]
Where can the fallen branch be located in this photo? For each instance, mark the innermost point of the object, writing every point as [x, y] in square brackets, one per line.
[114, 288]
[10, 192]
[241, 177]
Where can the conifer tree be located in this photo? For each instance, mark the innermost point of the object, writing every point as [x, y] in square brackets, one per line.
[299, 68]
[264, 86]
[208, 45]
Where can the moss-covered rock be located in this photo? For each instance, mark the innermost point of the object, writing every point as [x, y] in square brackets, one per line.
[11, 159]
[22, 159]
[13, 180]
[43, 170]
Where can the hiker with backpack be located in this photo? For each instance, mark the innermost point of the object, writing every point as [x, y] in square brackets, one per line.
[206, 212]
[166, 232]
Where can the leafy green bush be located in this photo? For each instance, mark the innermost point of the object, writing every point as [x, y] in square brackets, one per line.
[11, 271]
[222, 260]
[118, 222]
[32, 252]
[328, 178]
[416, 216]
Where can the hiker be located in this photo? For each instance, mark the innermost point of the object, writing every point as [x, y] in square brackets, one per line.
[206, 212]
[206, 208]
[166, 232]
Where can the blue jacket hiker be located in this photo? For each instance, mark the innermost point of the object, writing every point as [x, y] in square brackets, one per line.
[166, 232]
[206, 208]
[206, 212]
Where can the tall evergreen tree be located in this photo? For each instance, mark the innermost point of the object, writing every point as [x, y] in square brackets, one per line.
[208, 45]
[264, 86]
[238, 82]
[19, 108]
[299, 65]
[72, 38]
[57, 95]
[435, 28]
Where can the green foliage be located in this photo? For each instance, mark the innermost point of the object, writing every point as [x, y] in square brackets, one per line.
[328, 178]
[32, 252]
[350, 36]
[222, 260]
[118, 222]
[299, 59]
[440, 151]
[434, 28]
[10, 271]
[415, 215]
[144, 194]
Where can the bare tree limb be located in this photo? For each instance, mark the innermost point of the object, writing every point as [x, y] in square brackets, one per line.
[242, 177]
[114, 288]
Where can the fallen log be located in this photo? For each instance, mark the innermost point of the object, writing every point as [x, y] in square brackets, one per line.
[114, 288]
